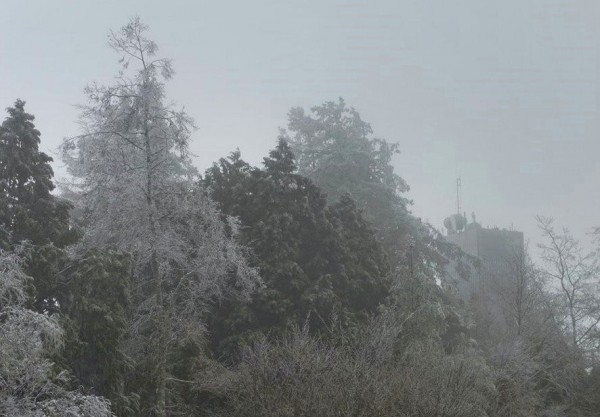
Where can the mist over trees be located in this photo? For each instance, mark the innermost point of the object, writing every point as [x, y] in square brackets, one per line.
[301, 287]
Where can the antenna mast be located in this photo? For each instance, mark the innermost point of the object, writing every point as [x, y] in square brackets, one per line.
[458, 185]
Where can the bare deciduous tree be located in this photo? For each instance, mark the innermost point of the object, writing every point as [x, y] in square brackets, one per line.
[578, 277]
[519, 292]
[300, 376]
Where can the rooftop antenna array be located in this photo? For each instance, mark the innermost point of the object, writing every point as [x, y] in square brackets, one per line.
[457, 221]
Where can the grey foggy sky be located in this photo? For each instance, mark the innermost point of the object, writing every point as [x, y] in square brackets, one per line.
[505, 94]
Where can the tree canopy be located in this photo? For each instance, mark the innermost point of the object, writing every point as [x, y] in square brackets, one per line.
[337, 150]
[303, 287]
[28, 209]
[134, 189]
[316, 261]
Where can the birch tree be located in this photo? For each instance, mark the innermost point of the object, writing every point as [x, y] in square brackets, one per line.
[132, 167]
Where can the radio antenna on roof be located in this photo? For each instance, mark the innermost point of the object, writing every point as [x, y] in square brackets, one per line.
[458, 185]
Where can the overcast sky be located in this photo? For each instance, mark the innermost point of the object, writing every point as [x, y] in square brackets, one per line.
[504, 94]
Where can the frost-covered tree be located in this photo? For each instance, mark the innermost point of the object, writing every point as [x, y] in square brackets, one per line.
[29, 383]
[132, 168]
[520, 296]
[577, 275]
[301, 376]
[337, 150]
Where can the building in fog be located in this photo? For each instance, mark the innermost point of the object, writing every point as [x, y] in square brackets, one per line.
[497, 251]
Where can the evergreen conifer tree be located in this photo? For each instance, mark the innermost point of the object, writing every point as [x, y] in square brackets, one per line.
[317, 262]
[89, 291]
[336, 149]
[28, 210]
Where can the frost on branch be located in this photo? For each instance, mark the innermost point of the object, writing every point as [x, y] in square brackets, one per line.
[29, 385]
[139, 193]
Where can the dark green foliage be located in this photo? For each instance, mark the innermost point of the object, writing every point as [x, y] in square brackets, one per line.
[90, 293]
[316, 261]
[95, 319]
[364, 261]
[28, 210]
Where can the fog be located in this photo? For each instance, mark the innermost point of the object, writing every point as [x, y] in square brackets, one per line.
[391, 238]
[503, 94]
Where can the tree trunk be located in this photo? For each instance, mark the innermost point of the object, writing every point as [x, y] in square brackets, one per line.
[156, 279]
